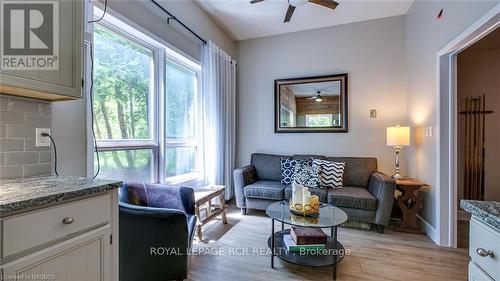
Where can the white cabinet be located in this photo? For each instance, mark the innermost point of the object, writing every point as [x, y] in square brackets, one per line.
[61, 84]
[75, 241]
[484, 251]
[83, 258]
[476, 274]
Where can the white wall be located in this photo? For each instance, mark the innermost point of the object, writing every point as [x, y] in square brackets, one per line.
[144, 13]
[425, 35]
[373, 55]
[68, 118]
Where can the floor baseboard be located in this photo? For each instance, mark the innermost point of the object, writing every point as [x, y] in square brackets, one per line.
[429, 230]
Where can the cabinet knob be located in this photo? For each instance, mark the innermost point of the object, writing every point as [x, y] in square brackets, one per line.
[483, 253]
[68, 220]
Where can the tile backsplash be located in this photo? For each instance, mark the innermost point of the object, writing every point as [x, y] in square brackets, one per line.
[19, 157]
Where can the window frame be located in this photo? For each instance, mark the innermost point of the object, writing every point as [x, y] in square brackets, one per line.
[187, 142]
[162, 51]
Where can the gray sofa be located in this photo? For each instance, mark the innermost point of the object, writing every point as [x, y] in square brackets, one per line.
[367, 195]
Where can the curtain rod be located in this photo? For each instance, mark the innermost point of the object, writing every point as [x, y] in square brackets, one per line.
[172, 17]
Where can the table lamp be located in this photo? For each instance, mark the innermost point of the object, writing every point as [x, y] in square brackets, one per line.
[398, 137]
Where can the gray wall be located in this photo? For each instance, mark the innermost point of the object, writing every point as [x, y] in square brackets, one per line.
[424, 37]
[18, 155]
[372, 52]
[69, 118]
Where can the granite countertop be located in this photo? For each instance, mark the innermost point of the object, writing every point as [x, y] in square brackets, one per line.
[487, 211]
[18, 195]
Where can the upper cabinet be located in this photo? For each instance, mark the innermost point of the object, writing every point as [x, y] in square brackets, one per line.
[42, 49]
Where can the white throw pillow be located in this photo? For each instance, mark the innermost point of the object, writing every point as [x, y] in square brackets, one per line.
[330, 173]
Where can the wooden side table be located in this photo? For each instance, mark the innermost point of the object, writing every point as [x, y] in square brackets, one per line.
[410, 203]
[205, 209]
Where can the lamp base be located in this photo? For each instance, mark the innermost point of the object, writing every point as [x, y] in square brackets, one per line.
[396, 176]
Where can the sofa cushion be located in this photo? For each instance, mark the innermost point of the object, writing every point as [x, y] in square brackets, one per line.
[357, 169]
[352, 197]
[158, 196]
[321, 193]
[265, 189]
[268, 166]
[287, 167]
[330, 173]
[306, 174]
[299, 171]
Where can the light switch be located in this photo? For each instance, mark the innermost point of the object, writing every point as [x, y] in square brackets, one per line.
[429, 131]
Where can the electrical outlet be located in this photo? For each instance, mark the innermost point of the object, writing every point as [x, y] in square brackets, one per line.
[41, 140]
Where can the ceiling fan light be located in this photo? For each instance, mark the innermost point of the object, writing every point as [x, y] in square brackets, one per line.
[319, 99]
[297, 3]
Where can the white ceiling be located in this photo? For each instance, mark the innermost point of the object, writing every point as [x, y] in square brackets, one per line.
[242, 20]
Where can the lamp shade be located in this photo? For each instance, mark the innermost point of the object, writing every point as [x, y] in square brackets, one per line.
[398, 136]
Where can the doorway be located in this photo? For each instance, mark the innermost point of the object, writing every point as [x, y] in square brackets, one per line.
[447, 164]
[477, 119]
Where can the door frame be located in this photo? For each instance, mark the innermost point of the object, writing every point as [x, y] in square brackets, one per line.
[446, 160]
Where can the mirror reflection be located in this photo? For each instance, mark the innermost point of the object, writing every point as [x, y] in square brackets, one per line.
[311, 104]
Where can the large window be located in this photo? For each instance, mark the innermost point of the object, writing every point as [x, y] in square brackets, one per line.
[145, 107]
[122, 87]
[181, 136]
[320, 120]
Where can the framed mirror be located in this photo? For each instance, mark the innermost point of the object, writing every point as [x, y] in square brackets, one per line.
[311, 104]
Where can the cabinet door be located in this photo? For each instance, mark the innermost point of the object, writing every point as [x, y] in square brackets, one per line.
[476, 274]
[67, 80]
[83, 258]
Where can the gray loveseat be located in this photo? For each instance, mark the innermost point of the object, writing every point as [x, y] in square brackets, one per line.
[366, 196]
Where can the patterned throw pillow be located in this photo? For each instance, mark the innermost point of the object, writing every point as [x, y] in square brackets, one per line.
[306, 174]
[330, 173]
[287, 170]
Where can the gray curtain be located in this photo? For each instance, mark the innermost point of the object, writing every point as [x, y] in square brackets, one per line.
[218, 102]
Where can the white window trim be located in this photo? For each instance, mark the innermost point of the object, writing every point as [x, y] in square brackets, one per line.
[162, 51]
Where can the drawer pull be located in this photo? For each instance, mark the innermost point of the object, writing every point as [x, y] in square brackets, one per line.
[483, 253]
[69, 220]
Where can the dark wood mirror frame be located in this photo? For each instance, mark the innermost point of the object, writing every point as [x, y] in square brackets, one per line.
[343, 106]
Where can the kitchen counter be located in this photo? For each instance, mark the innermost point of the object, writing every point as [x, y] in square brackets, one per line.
[487, 211]
[19, 195]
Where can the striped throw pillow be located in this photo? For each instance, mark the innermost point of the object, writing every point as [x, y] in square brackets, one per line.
[330, 173]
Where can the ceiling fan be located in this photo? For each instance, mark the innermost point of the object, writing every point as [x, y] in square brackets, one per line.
[292, 4]
[317, 97]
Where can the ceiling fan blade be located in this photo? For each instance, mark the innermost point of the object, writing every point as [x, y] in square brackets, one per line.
[255, 1]
[312, 98]
[325, 3]
[289, 13]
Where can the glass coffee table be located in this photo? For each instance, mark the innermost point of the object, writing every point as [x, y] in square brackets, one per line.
[329, 217]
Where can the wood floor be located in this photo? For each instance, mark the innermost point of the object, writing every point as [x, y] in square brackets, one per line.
[390, 256]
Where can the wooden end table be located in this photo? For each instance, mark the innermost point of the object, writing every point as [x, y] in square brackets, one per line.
[410, 204]
[205, 209]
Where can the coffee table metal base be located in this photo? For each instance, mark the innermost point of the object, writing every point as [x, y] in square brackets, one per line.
[333, 253]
